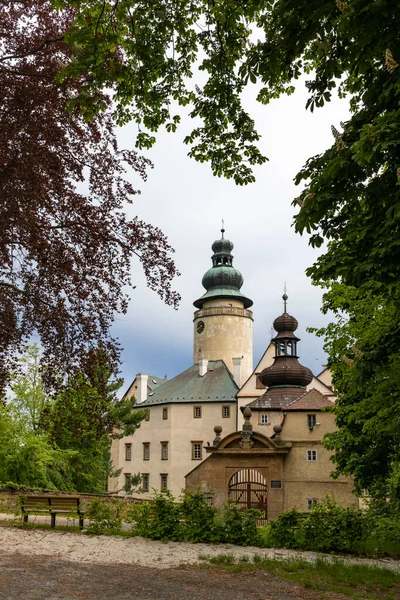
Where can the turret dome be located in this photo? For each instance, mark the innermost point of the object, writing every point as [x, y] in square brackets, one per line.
[222, 246]
[221, 277]
[286, 369]
[285, 323]
[222, 280]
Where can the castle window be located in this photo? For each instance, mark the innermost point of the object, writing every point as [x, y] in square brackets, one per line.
[263, 419]
[226, 412]
[164, 481]
[147, 415]
[128, 451]
[145, 482]
[311, 502]
[164, 450]
[197, 412]
[311, 421]
[197, 450]
[311, 455]
[165, 413]
[146, 450]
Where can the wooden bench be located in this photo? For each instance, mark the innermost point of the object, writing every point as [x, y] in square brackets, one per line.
[52, 505]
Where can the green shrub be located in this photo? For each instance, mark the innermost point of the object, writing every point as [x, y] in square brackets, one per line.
[139, 516]
[264, 536]
[240, 526]
[193, 520]
[384, 530]
[105, 517]
[198, 518]
[383, 520]
[284, 531]
[165, 524]
[159, 519]
[330, 527]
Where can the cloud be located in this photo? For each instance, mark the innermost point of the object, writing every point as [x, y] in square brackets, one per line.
[187, 203]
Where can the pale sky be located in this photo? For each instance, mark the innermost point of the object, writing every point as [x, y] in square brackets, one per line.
[187, 203]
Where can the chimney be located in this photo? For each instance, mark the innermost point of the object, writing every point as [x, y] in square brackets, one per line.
[237, 370]
[203, 364]
[141, 379]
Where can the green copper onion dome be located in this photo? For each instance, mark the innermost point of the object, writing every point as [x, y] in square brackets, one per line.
[222, 280]
[221, 277]
[222, 246]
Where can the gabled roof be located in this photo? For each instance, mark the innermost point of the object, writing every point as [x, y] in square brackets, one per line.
[152, 382]
[277, 397]
[217, 385]
[249, 388]
[312, 400]
[326, 378]
[321, 387]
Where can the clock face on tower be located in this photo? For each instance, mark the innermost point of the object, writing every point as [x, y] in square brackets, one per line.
[200, 327]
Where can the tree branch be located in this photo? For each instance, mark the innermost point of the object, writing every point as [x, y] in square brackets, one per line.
[34, 50]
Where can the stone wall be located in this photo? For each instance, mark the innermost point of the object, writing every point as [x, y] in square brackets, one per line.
[215, 472]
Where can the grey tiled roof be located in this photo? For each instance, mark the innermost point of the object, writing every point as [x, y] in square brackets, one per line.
[217, 385]
[154, 381]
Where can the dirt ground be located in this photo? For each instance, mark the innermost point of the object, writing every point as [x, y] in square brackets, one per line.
[37, 564]
[44, 578]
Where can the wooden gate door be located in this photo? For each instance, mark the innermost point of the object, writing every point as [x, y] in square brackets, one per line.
[248, 488]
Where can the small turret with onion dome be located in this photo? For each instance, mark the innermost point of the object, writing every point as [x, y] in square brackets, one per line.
[286, 369]
[286, 379]
[222, 280]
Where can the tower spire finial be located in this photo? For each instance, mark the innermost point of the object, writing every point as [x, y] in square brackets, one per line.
[284, 297]
[222, 230]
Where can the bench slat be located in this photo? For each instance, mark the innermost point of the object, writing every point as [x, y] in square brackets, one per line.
[34, 504]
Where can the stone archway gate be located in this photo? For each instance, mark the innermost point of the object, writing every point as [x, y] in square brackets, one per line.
[248, 489]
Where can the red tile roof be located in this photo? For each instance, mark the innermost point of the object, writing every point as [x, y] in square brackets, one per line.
[312, 400]
[275, 398]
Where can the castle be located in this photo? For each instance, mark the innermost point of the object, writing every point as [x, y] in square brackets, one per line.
[244, 435]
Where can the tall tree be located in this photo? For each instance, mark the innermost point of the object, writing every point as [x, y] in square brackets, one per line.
[364, 353]
[146, 50]
[84, 416]
[351, 192]
[29, 399]
[65, 254]
[63, 441]
[27, 455]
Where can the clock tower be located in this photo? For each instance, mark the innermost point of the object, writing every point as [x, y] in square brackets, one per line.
[223, 325]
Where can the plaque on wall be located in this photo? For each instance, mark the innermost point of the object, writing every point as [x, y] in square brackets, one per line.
[276, 484]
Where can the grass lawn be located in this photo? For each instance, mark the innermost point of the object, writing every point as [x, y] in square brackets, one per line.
[361, 582]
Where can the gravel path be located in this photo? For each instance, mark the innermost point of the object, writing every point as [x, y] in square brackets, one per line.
[139, 551]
